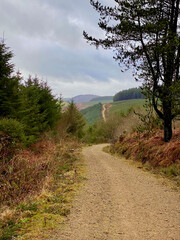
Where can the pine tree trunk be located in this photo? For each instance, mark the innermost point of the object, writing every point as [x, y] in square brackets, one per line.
[167, 122]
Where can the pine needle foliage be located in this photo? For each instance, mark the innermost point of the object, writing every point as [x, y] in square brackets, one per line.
[74, 120]
[9, 83]
[31, 102]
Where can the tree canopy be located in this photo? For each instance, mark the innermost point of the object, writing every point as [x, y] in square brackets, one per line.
[145, 35]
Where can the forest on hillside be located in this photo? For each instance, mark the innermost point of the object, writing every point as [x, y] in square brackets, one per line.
[132, 93]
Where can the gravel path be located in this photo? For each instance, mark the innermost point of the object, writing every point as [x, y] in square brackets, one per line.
[120, 201]
[103, 112]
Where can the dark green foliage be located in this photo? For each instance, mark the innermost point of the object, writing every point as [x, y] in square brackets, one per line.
[145, 35]
[12, 128]
[27, 207]
[74, 120]
[103, 131]
[31, 104]
[97, 133]
[12, 137]
[10, 232]
[39, 111]
[92, 114]
[9, 83]
[132, 93]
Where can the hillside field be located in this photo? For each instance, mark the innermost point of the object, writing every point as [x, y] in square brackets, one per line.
[93, 113]
[85, 105]
[124, 106]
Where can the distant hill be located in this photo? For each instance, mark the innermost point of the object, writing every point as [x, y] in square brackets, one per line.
[66, 99]
[84, 105]
[132, 93]
[93, 113]
[104, 98]
[81, 98]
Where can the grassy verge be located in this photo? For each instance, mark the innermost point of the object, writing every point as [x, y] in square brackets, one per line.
[152, 153]
[45, 207]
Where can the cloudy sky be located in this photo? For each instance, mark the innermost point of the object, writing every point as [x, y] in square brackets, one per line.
[46, 38]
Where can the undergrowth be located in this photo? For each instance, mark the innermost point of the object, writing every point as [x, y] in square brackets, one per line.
[150, 149]
[37, 188]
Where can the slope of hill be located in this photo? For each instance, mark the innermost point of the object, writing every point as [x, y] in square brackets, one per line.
[83, 98]
[92, 110]
[85, 105]
[93, 113]
[103, 98]
[66, 99]
[124, 106]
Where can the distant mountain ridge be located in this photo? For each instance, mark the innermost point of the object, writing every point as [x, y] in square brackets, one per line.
[82, 98]
[102, 98]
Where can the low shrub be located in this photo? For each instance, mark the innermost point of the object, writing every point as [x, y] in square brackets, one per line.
[73, 121]
[14, 129]
[25, 173]
[12, 138]
[149, 147]
[116, 124]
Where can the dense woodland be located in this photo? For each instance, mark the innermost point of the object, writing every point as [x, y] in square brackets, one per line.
[132, 93]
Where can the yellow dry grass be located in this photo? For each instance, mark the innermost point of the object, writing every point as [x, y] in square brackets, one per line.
[41, 211]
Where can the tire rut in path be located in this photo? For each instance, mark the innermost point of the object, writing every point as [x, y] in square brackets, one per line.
[120, 201]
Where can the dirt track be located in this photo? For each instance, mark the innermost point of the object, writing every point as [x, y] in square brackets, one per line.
[120, 201]
[103, 112]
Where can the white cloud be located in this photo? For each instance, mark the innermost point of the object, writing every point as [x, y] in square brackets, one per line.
[109, 88]
[46, 38]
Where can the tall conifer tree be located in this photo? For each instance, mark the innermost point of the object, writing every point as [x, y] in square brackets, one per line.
[146, 34]
[9, 83]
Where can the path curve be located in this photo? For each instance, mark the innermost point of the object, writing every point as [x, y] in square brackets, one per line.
[121, 202]
[103, 112]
